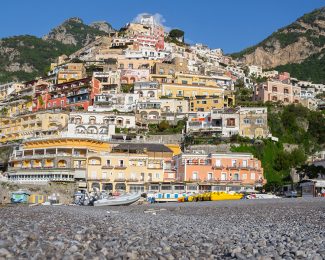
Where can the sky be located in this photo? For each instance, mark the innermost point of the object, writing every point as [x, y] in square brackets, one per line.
[228, 24]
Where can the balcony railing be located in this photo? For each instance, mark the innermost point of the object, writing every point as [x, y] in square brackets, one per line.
[194, 180]
[120, 167]
[107, 167]
[132, 180]
[215, 167]
[120, 179]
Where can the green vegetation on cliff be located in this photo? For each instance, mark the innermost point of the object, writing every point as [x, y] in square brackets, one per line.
[311, 69]
[295, 125]
[31, 53]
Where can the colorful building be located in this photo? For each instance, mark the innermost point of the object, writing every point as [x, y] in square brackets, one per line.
[40, 161]
[275, 91]
[219, 172]
[41, 124]
[131, 167]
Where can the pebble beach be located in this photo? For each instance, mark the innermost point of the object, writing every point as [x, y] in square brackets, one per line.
[245, 229]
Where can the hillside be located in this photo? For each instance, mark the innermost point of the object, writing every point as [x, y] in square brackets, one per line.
[25, 57]
[73, 31]
[293, 44]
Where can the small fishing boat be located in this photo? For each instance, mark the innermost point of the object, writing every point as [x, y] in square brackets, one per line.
[122, 200]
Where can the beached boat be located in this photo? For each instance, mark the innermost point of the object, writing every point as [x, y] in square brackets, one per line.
[262, 196]
[122, 200]
[225, 196]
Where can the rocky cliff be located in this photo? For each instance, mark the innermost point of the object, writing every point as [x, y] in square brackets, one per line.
[26, 57]
[74, 31]
[291, 44]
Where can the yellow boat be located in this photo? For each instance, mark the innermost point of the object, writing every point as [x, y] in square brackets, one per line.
[225, 196]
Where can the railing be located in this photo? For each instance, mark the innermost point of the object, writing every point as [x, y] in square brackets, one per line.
[215, 167]
[120, 179]
[132, 180]
[195, 179]
[120, 167]
[107, 167]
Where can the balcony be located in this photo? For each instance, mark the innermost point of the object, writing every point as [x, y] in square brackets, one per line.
[156, 167]
[194, 180]
[120, 167]
[107, 167]
[132, 180]
[216, 167]
[120, 179]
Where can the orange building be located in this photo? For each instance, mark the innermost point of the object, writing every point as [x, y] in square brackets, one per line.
[220, 171]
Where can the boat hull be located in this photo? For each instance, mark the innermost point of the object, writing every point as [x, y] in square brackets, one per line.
[119, 201]
[225, 196]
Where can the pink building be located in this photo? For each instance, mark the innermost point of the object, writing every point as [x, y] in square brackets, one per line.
[220, 171]
[277, 91]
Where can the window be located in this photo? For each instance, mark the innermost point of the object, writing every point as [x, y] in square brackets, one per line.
[236, 177]
[204, 102]
[161, 71]
[127, 121]
[245, 163]
[121, 163]
[259, 121]
[233, 162]
[218, 163]
[215, 101]
[209, 176]
[274, 89]
[131, 66]
[108, 162]
[184, 82]
[286, 91]
[252, 176]
[157, 176]
[224, 176]
[194, 175]
[247, 121]
[198, 102]
[244, 176]
[121, 66]
[231, 122]
[274, 98]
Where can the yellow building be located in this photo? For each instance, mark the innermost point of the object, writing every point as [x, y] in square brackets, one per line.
[68, 72]
[130, 167]
[193, 79]
[53, 159]
[32, 125]
[206, 103]
[190, 91]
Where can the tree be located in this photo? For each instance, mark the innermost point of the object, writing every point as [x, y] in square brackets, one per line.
[177, 34]
[163, 126]
[311, 171]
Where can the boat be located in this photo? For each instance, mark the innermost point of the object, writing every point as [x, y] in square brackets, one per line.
[225, 196]
[20, 196]
[262, 196]
[122, 200]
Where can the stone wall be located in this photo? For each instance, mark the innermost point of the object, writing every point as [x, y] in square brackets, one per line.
[65, 190]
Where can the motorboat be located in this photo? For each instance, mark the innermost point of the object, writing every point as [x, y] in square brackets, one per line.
[122, 200]
[262, 196]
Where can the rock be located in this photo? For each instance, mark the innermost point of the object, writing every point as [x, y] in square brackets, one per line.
[4, 252]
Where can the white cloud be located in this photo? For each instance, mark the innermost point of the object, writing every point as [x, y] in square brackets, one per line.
[159, 19]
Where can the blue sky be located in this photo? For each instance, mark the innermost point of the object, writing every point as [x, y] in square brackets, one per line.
[229, 24]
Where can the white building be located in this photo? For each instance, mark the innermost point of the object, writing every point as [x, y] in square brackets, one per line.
[255, 70]
[99, 125]
[146, 89]
[123, 102]
[109, 81]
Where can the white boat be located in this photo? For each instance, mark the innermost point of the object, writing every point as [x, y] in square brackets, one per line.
[262, 196]
[122, 200]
